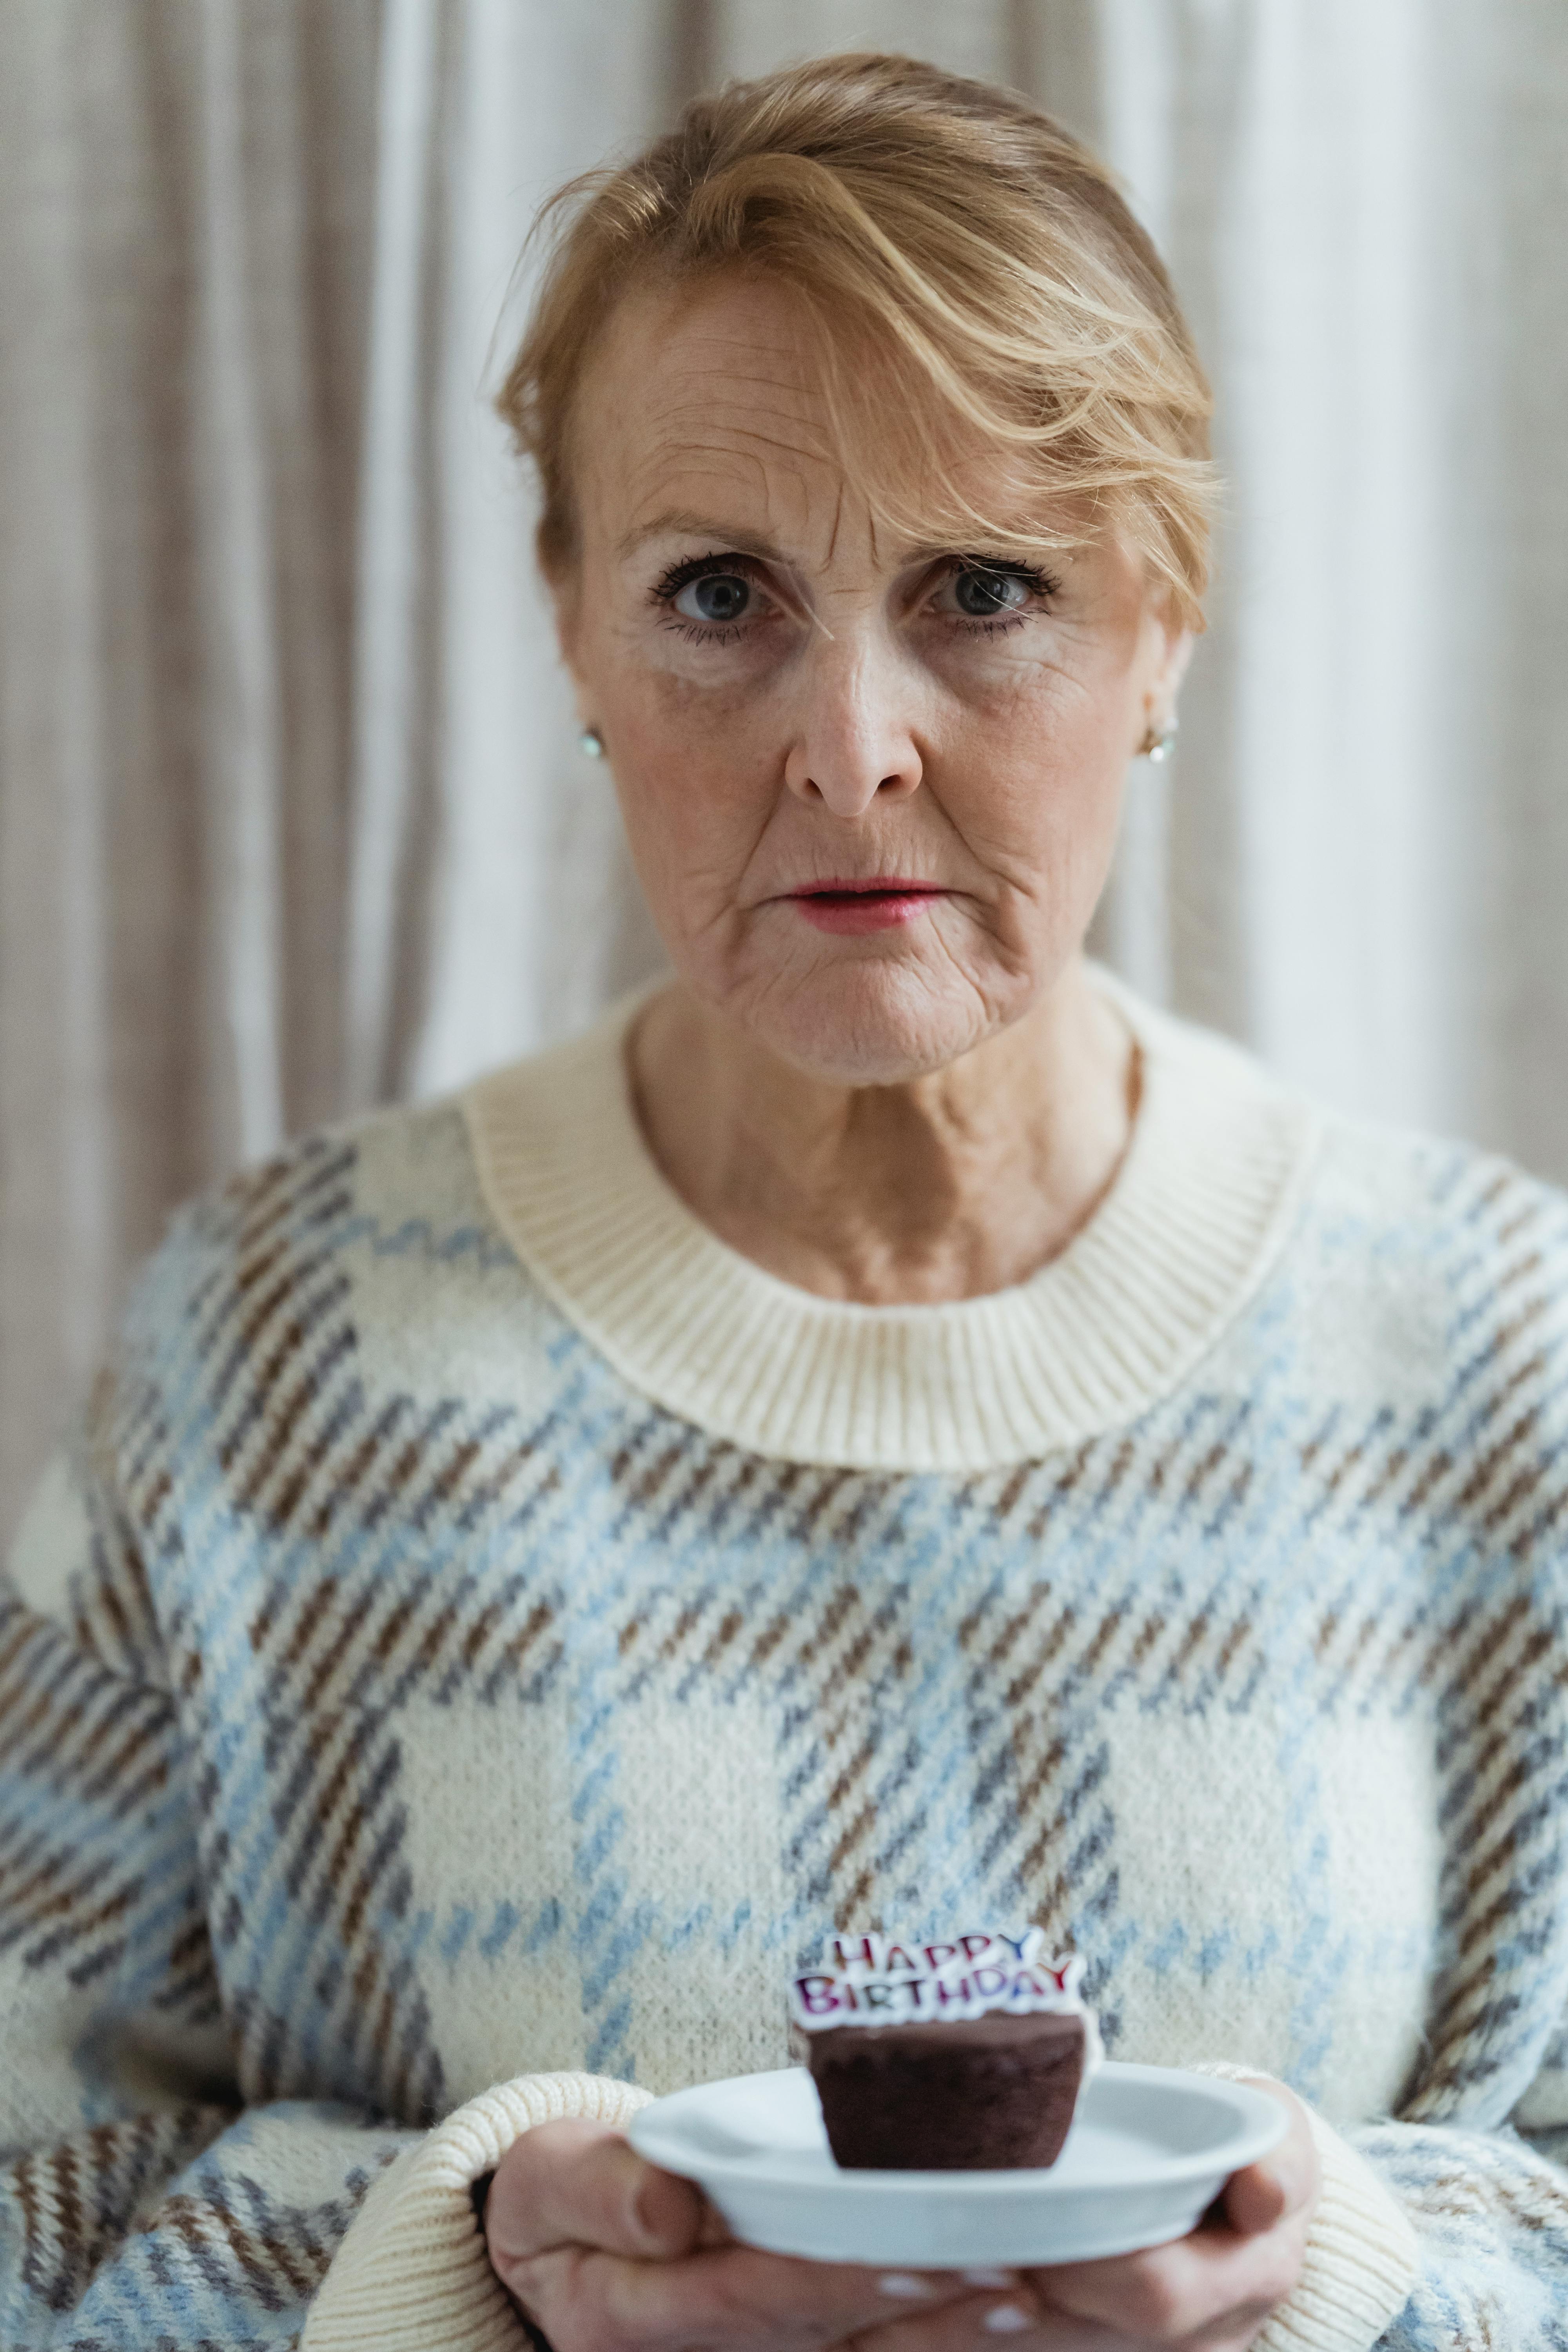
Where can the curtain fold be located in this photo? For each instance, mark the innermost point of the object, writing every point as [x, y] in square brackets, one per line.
[291, 818]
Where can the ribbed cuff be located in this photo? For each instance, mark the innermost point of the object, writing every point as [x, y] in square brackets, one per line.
[413, 2272]
[1362, 2254]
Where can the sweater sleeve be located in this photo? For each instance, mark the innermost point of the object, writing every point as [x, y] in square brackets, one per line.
[143, 2203]
[1432, 2236]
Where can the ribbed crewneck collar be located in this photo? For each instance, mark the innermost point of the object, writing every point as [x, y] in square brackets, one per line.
[1180, 1241]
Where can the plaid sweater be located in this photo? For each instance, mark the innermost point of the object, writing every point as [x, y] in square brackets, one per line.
[484, 1633]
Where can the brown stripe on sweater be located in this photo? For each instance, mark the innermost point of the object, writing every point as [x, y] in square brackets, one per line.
[316, 1601]
[1497, 1189]
[1481, 1927]
[348, 1480]
[1527, 1213]
[1012, 1494]
[1204, 1470]
[505, 1473]
[1486, 1471]
[353, 1760]
[71, 1931]
[730, 1628]
[1036, 1776]
[713, 1472]
[202, 2227]
[827, 1487]
[1530, 1538]
[56, 1708]
[688, 1618]
[1439, 1466]
[744, 1471]
[1027, 1678]
[271, 1455]
[1520, 1492]
[1538, 1644]
[400, 1474]
[295, 1275]
[1236, 1642]
[382, 1855]
[847, 1668]
[1150, 1632]
[1066, 1484]
[1193, 1640]
[1493, 1634]
[850, 1775]
[1050, 1833]
[842, 1604]
[1089, 1662]
[114, 1777]
[703, 1472]
[651, 1479]
[43, 1742]
[767, 1642]
[1023, 1621]
[853, 1835]
[335, 1655]
[255, 1401]
[1511, 1276]
[968, 1626]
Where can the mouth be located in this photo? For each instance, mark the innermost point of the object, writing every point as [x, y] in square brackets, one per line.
[876, 902]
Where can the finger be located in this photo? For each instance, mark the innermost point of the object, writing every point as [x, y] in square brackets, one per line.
[1254, 2200]
[987, 2324]
[582, 2184]
[1168, 2292]
[1285, 2182]
[733, 2292]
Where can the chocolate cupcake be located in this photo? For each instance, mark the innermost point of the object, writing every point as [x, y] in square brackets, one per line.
[961, 2056]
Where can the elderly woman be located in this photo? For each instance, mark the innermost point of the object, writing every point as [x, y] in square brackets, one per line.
[886, 1429]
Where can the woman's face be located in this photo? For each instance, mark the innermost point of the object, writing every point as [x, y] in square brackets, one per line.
[871, 787]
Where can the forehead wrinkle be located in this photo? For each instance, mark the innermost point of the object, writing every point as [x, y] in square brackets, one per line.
[744, 431]
[750, 477]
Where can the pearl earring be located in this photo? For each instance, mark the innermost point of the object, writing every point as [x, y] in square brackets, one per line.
[592, 742]
[1158, 742]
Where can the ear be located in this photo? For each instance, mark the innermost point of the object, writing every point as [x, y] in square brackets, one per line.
[564, 606]
[562, 588]
[1169, 649]
[1179, 645]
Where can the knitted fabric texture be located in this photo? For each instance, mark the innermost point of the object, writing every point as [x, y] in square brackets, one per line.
[483, 1634]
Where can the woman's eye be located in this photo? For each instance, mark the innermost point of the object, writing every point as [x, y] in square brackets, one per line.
[982, 595]
[717, 597]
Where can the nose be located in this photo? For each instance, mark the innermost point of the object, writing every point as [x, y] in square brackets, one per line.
[854, 742]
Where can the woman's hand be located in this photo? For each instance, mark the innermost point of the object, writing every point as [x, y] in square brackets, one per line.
[1215, 2287]
[606, 2254]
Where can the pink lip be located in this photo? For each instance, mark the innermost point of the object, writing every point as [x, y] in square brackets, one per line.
[876, 902]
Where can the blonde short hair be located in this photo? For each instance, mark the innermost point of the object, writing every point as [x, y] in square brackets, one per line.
[931, 224]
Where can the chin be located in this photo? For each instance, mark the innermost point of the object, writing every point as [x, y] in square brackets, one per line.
[871, 1023]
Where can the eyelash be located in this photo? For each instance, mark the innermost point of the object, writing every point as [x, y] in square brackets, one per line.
[701, 567]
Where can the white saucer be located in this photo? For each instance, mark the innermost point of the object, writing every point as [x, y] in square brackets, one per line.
[1149, 2148]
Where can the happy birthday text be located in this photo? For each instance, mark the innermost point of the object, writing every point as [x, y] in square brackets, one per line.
[879, 1980]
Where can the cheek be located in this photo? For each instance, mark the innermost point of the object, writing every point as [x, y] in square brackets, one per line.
[695, 794]
[1038, 777]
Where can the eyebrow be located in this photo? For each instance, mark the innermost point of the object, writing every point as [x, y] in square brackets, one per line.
[685, 523]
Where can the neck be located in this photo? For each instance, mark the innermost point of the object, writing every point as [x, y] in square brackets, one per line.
[950, 1186]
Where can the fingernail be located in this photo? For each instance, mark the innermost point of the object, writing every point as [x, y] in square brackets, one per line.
[1005, 2320]
[906, 2283]
[988, 2278]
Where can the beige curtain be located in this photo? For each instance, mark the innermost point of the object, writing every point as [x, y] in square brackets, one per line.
[291, 818]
